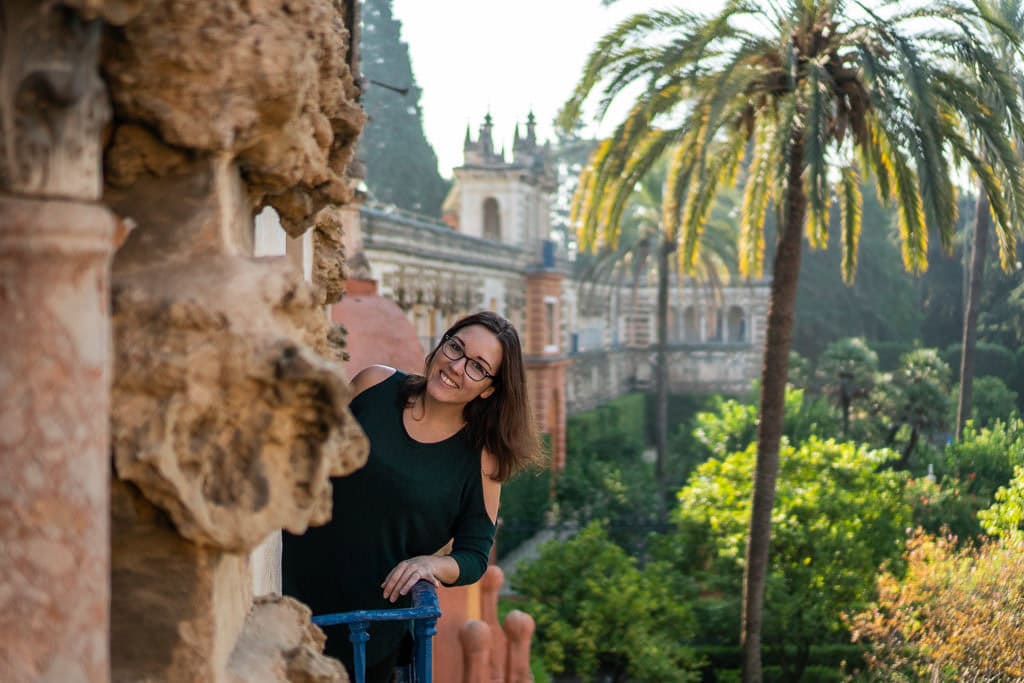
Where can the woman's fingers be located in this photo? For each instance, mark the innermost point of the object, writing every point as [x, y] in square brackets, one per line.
[404, 576]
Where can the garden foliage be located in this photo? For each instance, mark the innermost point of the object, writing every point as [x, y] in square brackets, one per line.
[602, 617]
[954, 615]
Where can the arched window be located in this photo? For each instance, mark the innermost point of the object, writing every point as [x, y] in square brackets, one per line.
[737, 325]
[492, 219]
[691, 328]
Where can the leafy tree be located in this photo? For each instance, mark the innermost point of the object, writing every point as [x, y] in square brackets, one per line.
[801, 371]
[837, 519]
[730, 425]
[914, 396]
[601, 617]
[847, 369]
[401, 166]
[953, 617]
[817, 93]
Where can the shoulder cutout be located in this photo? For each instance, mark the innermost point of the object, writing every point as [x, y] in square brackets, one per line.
[370, 376]
[492, 488]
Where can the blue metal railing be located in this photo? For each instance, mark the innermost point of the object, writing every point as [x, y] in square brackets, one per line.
[424, 614]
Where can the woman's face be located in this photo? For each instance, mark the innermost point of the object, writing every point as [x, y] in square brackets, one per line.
[478, 354]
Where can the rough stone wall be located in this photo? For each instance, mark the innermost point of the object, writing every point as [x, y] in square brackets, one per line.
[229, 406]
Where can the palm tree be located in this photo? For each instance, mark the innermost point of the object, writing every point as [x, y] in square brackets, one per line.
[819, 93]
[1011, 14]
[639, 242]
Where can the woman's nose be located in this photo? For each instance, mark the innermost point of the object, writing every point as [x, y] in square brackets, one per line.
[461, 361]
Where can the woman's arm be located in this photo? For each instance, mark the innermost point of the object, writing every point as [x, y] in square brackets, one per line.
[445, 568]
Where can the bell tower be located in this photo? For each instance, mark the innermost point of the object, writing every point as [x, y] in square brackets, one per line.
[506, 201]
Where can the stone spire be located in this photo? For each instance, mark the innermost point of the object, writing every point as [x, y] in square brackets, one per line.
[531, 129]
[482, 151]
[486, 137]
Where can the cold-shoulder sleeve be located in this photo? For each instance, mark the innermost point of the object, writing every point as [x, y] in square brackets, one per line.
[473, 535]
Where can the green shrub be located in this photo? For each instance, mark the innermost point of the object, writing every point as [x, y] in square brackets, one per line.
[991, 400]
[984, 458]
[624, 418]
[943, 507]
[989, 359]
[597, 612]
[1005, 518]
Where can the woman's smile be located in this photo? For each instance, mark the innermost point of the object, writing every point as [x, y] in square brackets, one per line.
[447, 380]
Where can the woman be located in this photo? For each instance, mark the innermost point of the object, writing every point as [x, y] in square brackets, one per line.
[440, 446]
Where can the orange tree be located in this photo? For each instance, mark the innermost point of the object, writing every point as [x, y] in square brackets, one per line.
[820, 94]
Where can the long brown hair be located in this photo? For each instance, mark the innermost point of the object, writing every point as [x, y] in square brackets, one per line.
[503, 422]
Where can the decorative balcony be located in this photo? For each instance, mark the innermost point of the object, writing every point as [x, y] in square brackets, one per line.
[424, 614]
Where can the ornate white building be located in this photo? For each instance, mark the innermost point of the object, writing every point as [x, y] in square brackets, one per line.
[584, 344]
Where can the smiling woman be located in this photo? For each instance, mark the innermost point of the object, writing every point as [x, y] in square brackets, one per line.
[425, 504]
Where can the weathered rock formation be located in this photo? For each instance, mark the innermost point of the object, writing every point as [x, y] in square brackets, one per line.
[229, 407]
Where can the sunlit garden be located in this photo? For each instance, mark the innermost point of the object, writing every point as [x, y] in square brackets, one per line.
[858, 515]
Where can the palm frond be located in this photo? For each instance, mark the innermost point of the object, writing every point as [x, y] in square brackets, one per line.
[850, 205]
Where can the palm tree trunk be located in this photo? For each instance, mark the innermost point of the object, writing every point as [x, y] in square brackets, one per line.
[661, 377]
[779, 334]
[982, 219]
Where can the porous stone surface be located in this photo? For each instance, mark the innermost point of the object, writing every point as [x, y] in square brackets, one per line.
[227, 420]
[265, 82]
[328, 256]
[226, 415]
[229, 407]
[177, 607]
[279, 643]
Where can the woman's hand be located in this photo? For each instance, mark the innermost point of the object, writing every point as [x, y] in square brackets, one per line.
[406, 573]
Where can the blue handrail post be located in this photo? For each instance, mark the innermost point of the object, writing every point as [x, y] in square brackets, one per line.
[424, 613]
[424, 595]
[358, 635]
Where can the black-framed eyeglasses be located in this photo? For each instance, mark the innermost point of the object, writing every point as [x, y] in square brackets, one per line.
[452, 349]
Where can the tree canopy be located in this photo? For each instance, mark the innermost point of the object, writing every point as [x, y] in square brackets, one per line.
[401, 166]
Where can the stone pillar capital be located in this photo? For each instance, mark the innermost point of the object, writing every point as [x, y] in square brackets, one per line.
[55, 227]
[53, 104]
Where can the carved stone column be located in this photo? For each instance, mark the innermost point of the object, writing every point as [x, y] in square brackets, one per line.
[55, 248]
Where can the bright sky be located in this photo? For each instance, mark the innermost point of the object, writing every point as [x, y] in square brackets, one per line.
[471, 56]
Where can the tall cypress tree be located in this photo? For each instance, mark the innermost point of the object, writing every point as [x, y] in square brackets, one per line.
[401, 166]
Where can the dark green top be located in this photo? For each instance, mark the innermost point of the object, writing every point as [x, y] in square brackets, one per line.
[409, 499]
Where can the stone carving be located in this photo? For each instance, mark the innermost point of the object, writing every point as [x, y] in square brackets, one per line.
[52, 102]
[222, 416]
[229, 406]
[266, 83]
[227, 420]
[278, 644]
